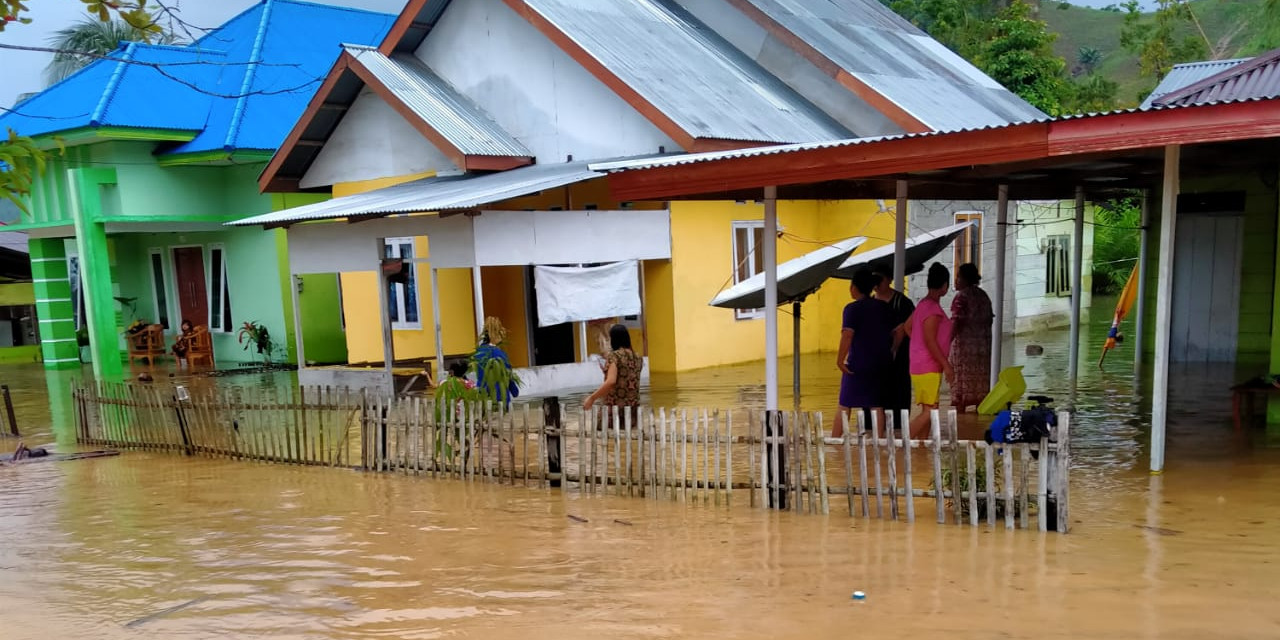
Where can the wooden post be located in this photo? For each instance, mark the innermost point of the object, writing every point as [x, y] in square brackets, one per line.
[436, 323]
[8, 410]
[900, 239]
[1140, 312]
[551, 426]
[384, 300]
[775, 447]
[180, 397]
[295, 281]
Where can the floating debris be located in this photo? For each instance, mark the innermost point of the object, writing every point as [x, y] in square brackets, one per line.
[626, 522]
[1159, 530]
[164, 612]
[578, 518]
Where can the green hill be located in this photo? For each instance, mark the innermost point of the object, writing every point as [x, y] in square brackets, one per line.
[1228, 25]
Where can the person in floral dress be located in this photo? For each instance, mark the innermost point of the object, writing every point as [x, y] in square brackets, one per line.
[971, 318]
[621, 387]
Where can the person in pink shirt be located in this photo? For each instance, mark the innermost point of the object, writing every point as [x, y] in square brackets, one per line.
[930, 331]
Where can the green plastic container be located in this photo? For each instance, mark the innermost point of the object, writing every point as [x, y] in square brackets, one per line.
[1010, 386]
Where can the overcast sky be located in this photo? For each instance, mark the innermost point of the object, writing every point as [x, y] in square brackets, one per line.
[22, 71]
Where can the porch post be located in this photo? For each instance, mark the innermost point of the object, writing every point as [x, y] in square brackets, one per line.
[435, 320]
[1164, 304]
[900, 239]
[1077, 281]
[95, 270]
[477, 287]
[1140, 322]
[54, 305]
[384, 313]
[771, 297]
[295, 281]
[1002, 235]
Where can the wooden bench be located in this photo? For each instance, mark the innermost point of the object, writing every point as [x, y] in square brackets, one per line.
[1244, 395]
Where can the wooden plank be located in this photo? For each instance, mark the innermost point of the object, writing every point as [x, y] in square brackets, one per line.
[1007, 459]
[892, 450]
[971, 479]
[936, 449]
[728, 457]
[1042, 486]
[864, 486]
[953, 435]
[820, 437]
[846, 442]
[751, 458]
[1064, 472]
[875, 452]
[684, 455]
[904, 425]
[1024, 451]
[989, 457]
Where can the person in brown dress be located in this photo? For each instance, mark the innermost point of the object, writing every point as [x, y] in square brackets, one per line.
[971, 318]
[621, 387]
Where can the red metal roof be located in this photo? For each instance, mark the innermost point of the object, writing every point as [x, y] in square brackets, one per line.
[1255, 79]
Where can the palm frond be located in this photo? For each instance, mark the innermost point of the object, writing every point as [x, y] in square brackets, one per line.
[85, 41]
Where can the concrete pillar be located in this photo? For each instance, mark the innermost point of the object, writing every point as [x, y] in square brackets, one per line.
[1002, 238]
[1077, 283]
[95, 270]
[1164, 304]
[770, 258]
[54, 306]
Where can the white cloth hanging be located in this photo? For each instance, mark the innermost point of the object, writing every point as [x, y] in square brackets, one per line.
[579, 294]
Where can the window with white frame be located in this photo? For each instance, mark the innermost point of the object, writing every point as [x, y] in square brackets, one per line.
[219, 292]
[748, 258]
[158, 288]
[402, 299]
[1057, 268]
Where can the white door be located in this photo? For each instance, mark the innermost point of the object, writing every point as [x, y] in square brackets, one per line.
[1206, 288]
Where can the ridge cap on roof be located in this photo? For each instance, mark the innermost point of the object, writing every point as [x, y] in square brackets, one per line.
[1257, 61]
[113, 82]
[335, 7]
[246, 79]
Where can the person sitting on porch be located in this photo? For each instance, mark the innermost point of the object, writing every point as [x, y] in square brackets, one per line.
[621, 387]
[931, 332]
[865, 356]
[971, 318]
[184, 340]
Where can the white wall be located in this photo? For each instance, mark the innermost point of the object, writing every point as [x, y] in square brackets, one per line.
[373, 141]
[927, 215]
[535, 91]
[1039, 220]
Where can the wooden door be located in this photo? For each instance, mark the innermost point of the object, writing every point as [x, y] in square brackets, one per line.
[189, 278]
[1206, 288]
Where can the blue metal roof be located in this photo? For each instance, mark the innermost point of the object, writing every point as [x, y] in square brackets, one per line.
[136, 86]
[241, 86]
[288, 46]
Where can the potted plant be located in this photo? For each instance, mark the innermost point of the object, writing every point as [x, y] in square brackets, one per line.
[256, 336]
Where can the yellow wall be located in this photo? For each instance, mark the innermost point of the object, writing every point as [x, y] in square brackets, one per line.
[504, 299]
[362, 307]
[17, 293]
[702, 263]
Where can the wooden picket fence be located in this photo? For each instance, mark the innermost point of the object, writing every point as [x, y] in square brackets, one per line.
[780, 460]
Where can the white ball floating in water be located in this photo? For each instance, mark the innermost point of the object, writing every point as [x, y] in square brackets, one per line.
[858, 595]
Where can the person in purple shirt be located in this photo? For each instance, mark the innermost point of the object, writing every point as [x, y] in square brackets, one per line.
[866, 353]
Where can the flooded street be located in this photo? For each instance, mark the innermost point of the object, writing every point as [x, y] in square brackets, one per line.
[160, 546]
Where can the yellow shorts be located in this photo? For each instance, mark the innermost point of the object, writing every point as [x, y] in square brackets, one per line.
[927, 387]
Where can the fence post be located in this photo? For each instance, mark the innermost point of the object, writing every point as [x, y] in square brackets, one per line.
[8, 409]
[775, 459]
[551, 425]
[180, 396]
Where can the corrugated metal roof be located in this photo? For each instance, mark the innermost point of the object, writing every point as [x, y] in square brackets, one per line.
[138, 85]
[459, 120]
[282, 50]
[1187, 74]
[897, 60]
[693, 76]
[446, 193]
[1258, 78]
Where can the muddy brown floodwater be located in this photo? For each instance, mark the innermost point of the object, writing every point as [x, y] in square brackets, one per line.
[159, 546]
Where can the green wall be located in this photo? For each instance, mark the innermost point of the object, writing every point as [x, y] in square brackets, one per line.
[251, 268]
[1257, 270]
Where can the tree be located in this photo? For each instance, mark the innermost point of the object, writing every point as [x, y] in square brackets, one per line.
[1019, 55]
[1162, 39]
[1268, 21]
[1087, 60]
[90, 39]
[20, 159]
[1091, 94]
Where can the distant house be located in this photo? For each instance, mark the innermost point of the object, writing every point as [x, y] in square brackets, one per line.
[459, 153]
[163, 144]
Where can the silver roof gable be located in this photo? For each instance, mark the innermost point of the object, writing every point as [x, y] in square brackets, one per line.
[1187, 74]
[895, 59]
[689, 73]
[455, 117]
